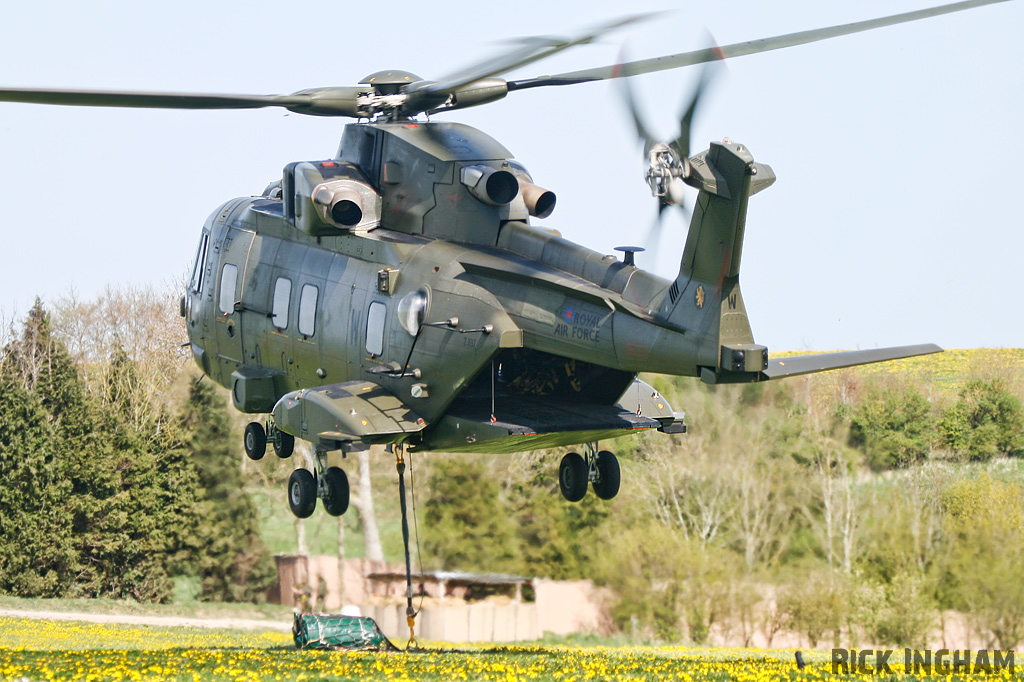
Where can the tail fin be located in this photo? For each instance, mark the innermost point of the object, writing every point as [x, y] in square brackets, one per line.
[705, 297]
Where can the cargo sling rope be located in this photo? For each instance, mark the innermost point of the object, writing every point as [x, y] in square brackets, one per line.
[352, 633]
[410, 612]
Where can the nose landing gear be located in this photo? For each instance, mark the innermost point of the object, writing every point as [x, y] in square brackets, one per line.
[257, 437]
[255, 441]
[600, 468]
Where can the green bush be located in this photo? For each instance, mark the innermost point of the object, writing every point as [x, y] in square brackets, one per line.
[893, 428]
[987, 420]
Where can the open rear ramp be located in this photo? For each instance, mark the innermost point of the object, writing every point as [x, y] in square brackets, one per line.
[534, 422]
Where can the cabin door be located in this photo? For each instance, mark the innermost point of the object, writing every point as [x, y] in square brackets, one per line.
[229, 296]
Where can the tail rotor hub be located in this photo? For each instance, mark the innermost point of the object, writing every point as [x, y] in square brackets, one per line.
[665, 165]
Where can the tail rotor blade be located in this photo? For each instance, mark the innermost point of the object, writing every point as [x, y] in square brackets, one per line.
[641, 130]
[653, 239]
[682, 144]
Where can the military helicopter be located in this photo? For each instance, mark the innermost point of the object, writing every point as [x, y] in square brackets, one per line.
[397, 292]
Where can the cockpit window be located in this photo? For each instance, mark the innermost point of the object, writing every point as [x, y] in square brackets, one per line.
[199, 267]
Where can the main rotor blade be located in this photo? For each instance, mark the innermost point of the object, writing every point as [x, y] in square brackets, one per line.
[531, 50]
[317, 102]
[146, 100]
[741, 49]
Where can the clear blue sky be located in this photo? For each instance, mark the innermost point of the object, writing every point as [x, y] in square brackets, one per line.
[894, 218]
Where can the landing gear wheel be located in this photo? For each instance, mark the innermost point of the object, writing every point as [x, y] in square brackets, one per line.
[607, 484]
[255, 441]
[284, 444]
[573, 477]
[302, 493]
[336, 501]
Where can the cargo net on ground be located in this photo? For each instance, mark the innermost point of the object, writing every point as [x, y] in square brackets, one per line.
[344, 633]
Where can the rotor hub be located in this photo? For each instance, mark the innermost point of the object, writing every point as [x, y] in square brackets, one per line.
[390, 81]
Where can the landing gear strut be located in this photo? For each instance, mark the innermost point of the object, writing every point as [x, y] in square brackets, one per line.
[600, 468]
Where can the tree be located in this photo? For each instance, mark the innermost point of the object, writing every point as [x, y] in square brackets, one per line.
[466, 523]
[984, 526]
[231, 560]
[137, 498]
[986, 421]
[643, 569]
[555, 539]
[893, 428]
[45, 368]
[901, 612]
[140, 323]
[814, 605]
[832, 506]
[695, 499]
[762, 514]
[37, 555]
[123, 500]
[87, 497]
[362, 501]
[49, 426]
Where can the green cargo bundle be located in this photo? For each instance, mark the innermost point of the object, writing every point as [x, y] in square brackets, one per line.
[348, 633]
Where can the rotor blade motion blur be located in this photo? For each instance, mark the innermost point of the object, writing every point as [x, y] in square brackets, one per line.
[668, 162]
[529, 51]
[475, 85]
[741, 49]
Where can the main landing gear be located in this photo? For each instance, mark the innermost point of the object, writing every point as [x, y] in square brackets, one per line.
[600, 468]
[328, 483]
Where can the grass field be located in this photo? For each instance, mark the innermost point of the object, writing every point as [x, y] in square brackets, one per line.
[46, 650]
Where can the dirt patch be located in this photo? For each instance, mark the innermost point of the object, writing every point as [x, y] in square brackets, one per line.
[161, 621]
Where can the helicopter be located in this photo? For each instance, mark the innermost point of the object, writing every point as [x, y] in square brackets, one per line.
[397, 292]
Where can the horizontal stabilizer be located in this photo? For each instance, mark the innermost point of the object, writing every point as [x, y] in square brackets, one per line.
[806, 364]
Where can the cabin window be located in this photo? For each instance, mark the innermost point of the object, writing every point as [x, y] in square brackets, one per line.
[375, 328]
[307, 310]
[199, 267]
[282, 297]
[228, 279]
